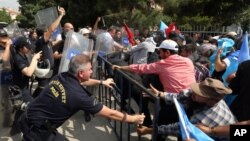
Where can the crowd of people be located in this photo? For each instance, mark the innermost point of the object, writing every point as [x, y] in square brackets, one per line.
[186, 67]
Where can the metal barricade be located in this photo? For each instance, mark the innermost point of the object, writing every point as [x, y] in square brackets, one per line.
[113, 99]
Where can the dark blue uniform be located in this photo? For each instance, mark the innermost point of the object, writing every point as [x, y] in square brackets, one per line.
[20, 62]
[22, 81]
[63, 97]
[47, 53]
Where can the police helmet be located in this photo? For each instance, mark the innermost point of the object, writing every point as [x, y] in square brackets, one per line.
[43, 69]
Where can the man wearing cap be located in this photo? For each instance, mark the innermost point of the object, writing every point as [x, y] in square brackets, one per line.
[22, 71]
[6, 76]
[205, 103]
[170, 68]
[175, 73]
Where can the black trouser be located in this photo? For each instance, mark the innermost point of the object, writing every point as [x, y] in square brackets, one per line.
[42, 82]
[42, 133]
[6, 105]
[26, 98]
[167, 115]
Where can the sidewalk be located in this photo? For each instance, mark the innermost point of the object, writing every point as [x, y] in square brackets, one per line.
[76, 129]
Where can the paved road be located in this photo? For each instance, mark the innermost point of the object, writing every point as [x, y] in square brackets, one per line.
[76, 129]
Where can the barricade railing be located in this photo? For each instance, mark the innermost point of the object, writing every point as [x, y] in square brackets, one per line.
[113, 98]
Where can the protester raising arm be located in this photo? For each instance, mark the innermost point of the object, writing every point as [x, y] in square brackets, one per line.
[219, 65]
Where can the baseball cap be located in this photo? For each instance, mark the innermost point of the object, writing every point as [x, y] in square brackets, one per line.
[22, 41]
[3, 33]
[169, 44]
[211, 88]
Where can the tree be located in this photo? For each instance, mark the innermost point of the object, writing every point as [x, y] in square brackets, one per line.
[4, 16]
[143, 13]
[29, 9]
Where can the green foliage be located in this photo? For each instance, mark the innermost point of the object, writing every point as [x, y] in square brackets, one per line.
[5, 17]
[137, 13]
[29, 9]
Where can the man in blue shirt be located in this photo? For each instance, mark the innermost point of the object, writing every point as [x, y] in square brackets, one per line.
[63, 97]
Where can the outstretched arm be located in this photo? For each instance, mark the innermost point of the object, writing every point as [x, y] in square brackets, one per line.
[92, 82]
[222, 131]
[126, 68]
[119, 116]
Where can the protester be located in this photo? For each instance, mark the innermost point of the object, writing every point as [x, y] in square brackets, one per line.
[175, 73]
[139, 54]
[201, 63]
[204, 102]
[170, 69]
[63, 97]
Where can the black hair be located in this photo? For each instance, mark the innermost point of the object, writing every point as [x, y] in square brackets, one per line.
[41, 29]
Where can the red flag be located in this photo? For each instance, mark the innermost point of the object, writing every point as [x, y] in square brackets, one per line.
[130, 35]
[170, 28]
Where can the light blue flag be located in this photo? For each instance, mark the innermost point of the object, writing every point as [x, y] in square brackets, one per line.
[188, 130]
[163, 26]
[244, 50]
[233, 58]
[227, 45]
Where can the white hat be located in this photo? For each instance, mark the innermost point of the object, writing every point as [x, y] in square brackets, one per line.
[84, 31]
[169, 44]
[231, 33]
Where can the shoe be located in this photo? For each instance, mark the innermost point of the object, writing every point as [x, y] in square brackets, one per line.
[87, 116]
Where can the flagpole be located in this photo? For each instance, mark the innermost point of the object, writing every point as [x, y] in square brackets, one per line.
[181, 117]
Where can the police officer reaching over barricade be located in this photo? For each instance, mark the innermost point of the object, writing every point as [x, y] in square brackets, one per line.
[63, 97]
[44, 33]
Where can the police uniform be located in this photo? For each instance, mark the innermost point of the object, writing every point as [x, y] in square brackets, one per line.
[22, 81]
[5, 80]
[63, 97]
[47, 53]
[20, 62]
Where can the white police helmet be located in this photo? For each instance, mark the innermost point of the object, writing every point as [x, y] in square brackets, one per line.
[43, 69]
